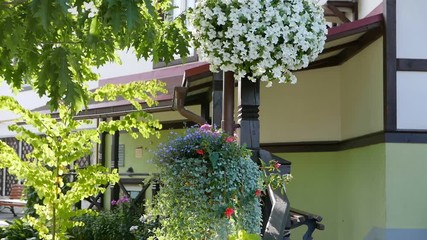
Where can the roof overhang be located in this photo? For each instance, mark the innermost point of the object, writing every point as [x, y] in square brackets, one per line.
[346, 40]
[172, 76]
[342, 43]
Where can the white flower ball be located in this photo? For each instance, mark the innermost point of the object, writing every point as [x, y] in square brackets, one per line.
[259, 39]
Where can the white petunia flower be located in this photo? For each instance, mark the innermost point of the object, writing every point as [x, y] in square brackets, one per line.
[268, 37]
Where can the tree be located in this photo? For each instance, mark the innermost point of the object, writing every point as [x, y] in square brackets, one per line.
[50, 170]
[53, 44]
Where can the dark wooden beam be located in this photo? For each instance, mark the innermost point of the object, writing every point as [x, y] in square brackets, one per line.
[227, 123]
[389, 69]
[338, 13]
[339, 47]
[217, 99]
[326, 62]
[115, 194]
[362, 43]
[362, 141]
[411, 64]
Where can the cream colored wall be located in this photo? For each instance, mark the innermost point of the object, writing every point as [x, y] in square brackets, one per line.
[411, 36]
[366, 6]
[362, 92]
[305, 111]
[174, 115]
[411, 99]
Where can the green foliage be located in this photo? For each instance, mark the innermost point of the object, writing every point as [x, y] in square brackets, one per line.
[18, 230]
[243, 235]
[51, 172]
[273, 177]
[120, 223]
[209, 186]
[53, 45]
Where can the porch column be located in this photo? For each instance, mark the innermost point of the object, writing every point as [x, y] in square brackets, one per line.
[248, 103]
[115, 157]
[217, 99]
[227, 123]
[101, 157]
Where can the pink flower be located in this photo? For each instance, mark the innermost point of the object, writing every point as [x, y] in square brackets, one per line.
[200, 151]
[113, 202]
[229, 212]
[277, 165]
[206, 128]
[230, 139]
[258, 192]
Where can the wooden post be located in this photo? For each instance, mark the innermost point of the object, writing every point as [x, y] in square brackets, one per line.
[276, 204]
[248, 103]
[217, 98]
[227, 123]
[115, 157]
[101, 160]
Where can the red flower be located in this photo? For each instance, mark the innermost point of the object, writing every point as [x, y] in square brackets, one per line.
[200, 151]
[230, 139]
[229, 212]
[258, 192]
[277, 165]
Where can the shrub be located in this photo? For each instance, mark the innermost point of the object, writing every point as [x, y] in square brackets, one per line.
[18, 230]
[119, 223]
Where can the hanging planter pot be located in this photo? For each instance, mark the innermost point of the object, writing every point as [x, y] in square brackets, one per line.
[210, 187]
[259, 39]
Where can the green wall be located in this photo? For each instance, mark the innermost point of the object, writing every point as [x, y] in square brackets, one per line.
[406, 188]
[139, 165]
[346, 188]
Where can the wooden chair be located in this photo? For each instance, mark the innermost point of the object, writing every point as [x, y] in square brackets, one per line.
[14, 199]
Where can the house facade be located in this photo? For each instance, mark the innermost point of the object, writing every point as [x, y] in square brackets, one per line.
[354, 126]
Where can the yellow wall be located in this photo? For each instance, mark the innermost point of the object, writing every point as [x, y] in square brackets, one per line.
[362, 92]
[334, 103]
[305, 111]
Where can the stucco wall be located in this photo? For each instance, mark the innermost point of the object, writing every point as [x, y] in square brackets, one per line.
[410, 24]
[411, 99]
[406, 189]
[362, 92]
[305, 111]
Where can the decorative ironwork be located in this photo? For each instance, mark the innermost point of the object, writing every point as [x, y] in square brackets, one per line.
[1, 181]
[84, 161]
[26, 148]
[6, 185]
[10, 180]
[12, 142]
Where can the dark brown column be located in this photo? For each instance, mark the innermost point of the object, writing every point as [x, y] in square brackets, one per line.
[227, 123]
[248, 103]
[217, 98]
[115, 157]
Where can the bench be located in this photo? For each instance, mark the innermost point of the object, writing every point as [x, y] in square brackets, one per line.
[14, 199]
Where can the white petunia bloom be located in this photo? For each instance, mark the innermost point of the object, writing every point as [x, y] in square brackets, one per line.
[263, 40]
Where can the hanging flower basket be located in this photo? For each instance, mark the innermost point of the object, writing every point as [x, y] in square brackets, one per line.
[210, 187]
[259, 39]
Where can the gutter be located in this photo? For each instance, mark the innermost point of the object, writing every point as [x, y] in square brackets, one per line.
[178, 105]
